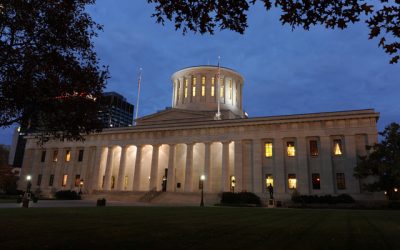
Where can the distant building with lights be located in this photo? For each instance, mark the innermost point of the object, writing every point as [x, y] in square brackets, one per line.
[116, 112]
[169, 150]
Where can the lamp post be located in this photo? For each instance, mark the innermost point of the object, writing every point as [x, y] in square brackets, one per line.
[29, 184]
[80, 187]
[202, 178]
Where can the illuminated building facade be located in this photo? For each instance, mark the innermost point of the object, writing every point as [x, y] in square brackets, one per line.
[171, 149]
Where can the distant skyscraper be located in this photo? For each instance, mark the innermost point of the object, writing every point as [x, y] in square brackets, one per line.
[116, 112]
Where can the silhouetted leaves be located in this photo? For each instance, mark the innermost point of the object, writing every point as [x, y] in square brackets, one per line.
[49, 73]
[205, 16]
[383, 162]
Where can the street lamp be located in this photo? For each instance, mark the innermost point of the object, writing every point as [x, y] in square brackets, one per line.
[202, 178]
[80, 187]
[29, 184]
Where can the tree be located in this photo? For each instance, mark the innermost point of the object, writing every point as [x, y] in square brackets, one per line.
[8, 180]
[206, 16]
[49, 74]
[383, 163]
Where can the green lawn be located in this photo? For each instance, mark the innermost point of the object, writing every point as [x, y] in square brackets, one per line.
[195, 228]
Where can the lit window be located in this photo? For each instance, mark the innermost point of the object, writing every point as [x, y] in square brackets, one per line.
[316, 181]
[77, 180]
[337, 147]
[80, 155]
[268, 149]
[292, 181]
[112, 182]
[221, 93]
[126, 182]
[67, 155]
[64, 180]
[230, 89]
[232, 183]
[55, 155]
[186, 88]
[313, 148]
[203, 86]
[291, 151]
[212, 86]
[269, 180]
[43, 156]
[194, 86]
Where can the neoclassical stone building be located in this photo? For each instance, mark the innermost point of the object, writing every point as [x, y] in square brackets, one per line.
[171, 149]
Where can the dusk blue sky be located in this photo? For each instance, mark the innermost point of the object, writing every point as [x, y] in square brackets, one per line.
[286, 72]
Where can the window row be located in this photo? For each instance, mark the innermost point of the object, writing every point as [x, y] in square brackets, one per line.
[203, 87]
[313, 148]
[78, 181]
[67, 156]
[315, 181]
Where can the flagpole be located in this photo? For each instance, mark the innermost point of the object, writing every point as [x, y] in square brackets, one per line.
[218, 114]
[138, 95]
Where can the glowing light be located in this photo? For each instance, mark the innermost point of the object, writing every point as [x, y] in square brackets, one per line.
[291, 151]
[268, 149]
[337, 147]
[395, 189]
[28, 177]
[202, 177]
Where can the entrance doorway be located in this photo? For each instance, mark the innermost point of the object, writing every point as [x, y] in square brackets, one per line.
[164, 181]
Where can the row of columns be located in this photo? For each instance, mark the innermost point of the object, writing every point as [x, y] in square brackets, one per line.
[101, 157]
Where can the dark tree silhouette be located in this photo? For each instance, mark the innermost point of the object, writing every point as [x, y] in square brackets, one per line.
[8, 180]
[383, 163]
[49, 73]
[382, 17]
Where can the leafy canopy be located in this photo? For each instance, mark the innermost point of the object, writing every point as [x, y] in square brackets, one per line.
[382, 17]
[383, 162]
[49, 73]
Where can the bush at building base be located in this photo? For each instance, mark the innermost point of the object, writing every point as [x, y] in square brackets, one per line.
[324, 199]
[242, 198]
[67, 195]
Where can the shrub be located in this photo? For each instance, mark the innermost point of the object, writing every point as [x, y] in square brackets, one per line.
[240, 198]
[67, 195]
[325, 199]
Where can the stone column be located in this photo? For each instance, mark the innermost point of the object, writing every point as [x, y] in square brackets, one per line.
[303, 175]
[238, 166]
[71, 169]
[86, 164]
[225, 167]
[257, 166]
[189, 168]
[352, 183]
[207, 166]
[109, 167]
[327, 178]
[59, 172]
[154, 167]
[279, 175]
[122, 169]
[96, 178]
[136, 176]
[171, 168]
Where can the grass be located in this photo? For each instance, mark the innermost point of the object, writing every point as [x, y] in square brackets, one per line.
[195, 228]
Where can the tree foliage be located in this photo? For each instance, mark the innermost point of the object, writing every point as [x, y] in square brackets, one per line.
[382, 17]
[8, 180]
[49, 73]
[383, 162]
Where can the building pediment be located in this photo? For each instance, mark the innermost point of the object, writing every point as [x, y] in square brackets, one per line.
[173, 115]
